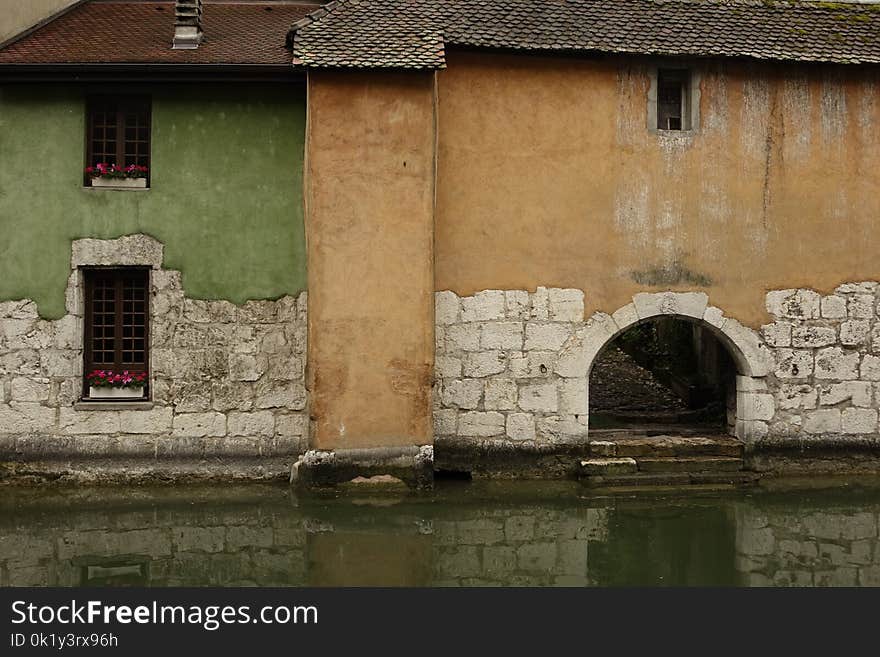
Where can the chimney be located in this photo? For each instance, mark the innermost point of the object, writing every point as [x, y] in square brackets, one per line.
[187, 24]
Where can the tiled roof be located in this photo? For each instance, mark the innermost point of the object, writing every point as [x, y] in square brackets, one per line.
[140, 32]
[413, 33]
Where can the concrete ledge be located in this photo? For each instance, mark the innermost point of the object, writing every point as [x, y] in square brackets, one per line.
[112, 406]
[413, 465]
[815, 461]
[128, 471]
[805, 446]
[505, 459]
[115, 189]
[828, 454]
[89, 458]
[32, 447]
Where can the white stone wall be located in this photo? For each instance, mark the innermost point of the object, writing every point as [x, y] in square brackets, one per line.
[513, 366]
[496, 368]
[826, 376]
[224, 378]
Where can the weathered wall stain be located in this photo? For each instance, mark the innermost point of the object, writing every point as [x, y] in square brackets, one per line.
[778, 188]
[674, 273]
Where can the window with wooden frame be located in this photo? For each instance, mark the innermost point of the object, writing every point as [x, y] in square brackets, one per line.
[673, 99]
[118, 132]
[117, 321]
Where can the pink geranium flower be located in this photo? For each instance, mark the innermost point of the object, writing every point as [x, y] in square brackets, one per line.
[104, 170]
[109, 378]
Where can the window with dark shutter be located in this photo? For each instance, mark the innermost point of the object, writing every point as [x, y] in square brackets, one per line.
[118, 132]
[117, 320]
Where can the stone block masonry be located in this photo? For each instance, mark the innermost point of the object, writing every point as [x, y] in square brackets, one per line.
[827, 368]
[228, 396]
[512, 367]
[227, 384]
[496, 366]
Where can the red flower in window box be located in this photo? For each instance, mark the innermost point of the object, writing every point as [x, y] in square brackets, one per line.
[116, 385]
[110, 175]
[104, 170]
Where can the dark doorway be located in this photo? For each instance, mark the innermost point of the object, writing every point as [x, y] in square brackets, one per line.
[665, 374]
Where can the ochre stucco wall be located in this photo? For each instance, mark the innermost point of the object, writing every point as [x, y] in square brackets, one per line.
[369, 233]
[547, 175]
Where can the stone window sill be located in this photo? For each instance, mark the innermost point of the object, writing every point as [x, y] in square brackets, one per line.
[87, 188]
[87, 405]
[674, 134]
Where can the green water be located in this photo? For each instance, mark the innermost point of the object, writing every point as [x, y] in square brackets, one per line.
[462, 534]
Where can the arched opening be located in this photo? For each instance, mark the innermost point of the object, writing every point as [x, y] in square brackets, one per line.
[664, 374]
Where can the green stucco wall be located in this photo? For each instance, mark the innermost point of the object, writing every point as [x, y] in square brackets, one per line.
[225, 197]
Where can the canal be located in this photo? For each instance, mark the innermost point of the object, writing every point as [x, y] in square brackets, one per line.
[461, 534]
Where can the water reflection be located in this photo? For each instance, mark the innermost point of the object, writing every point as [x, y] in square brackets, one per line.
[462, 535]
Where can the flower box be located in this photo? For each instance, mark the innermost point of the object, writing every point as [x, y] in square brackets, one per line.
[110, 392]
[119, 183]
[110, 176]
[107, 384]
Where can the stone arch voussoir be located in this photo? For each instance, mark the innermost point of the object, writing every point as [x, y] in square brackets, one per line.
[753, 359]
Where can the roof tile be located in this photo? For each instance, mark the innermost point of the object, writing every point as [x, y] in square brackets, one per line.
[413, 33]
[139, 32]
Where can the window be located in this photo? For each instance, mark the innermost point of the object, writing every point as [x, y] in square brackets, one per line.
[673, 100]
[118, 131]
[116, 320]
[671, 94]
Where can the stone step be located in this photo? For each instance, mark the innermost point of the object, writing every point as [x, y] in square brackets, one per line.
[672, 479]
[657, 430]
[690, 464]
[609, 466]
[664, 465]
[666, 446]
[738, 478]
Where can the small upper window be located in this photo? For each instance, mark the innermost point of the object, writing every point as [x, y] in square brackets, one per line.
[119, 134]
[673, 99]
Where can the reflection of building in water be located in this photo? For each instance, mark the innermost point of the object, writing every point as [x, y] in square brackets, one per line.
[115, 572]
[173, 539]
[829, 547]
[260, 537]
[651, 544]
[519, 546]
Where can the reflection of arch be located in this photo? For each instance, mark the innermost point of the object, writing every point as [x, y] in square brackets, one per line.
[753, 360]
